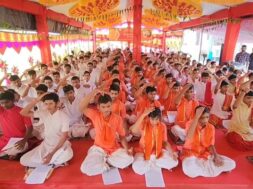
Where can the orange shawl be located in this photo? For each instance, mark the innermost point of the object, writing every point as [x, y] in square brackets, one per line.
[153, 137]
[199, 145]
[182, 118]
[108, 134]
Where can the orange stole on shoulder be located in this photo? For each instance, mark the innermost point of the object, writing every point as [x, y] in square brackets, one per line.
[153, 138]
[108, 134]
[181, 118]
[170, 102]
[227, 103]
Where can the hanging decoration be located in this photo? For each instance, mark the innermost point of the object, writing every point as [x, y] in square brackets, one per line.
[89, 8]
[167, 16]
[55, 2]
[225, 2]
[180, 8]
[154, 21]
[110, 22]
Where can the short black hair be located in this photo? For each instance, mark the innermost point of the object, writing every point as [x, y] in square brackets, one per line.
[138, 69]
[150, 89]
[55, 63]
[67, 65]
[219, 72]
[43, 66]
[204, 74]
[115, 72]
[223, 83]
[116, 80]
[114, 87]
[75, 78]
[12, 91]
[14, 78]
[56, 73]
[233, 76]
[31, 72]
[206, 110]
[104, 99]
[7, 95]
[68, 88]
[177, 84]
[51, 96]
[169, 75]
[86, 72]
[250, 93]
[47, 78]
[42, 87]
[156, 113]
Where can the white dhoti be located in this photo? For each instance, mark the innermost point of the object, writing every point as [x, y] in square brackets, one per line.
[179, 132]
[141, 166]
[194, 167]
[78, 130]
[13, 151]
[35, 157]
[97, 160]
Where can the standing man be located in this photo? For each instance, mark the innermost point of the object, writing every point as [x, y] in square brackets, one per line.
[251, 61]
[242, 58]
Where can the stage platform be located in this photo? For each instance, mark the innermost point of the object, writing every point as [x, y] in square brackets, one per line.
[11, 173]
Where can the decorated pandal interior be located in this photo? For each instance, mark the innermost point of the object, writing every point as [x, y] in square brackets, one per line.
[126, 94]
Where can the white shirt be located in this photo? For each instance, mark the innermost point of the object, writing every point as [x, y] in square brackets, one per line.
[90, 88]
[54, 125]
[72, 110]
[81, 92]
[94, 76]
[218, 101]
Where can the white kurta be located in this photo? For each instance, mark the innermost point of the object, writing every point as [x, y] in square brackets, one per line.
[55, 124]
[77, 125]
[216, 109]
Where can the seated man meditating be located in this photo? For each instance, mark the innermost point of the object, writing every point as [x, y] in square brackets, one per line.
[106, 150]
[154, 147]
[199, 154]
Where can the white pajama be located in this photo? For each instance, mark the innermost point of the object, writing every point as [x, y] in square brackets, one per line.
[54, 126]
[194, 167]
[141, 166]
[35, 157]
[97, 160]
[179, 132]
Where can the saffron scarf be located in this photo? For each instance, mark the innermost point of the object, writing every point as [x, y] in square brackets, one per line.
[153, 138]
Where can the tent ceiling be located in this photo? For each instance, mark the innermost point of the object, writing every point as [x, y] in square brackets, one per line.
[156, 13]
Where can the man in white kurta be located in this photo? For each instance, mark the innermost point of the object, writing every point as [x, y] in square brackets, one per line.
[71, 107]
[55, 148]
